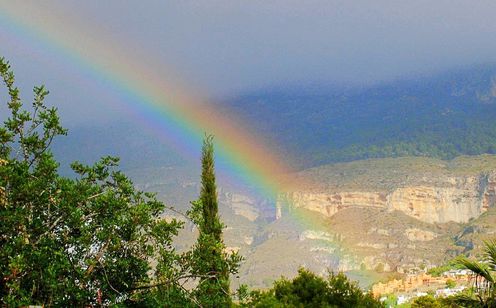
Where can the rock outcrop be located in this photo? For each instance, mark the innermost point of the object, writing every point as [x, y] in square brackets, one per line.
[242, 205]
[414, 234]
[450, 198]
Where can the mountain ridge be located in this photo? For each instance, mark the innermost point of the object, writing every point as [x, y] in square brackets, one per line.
[442, 116]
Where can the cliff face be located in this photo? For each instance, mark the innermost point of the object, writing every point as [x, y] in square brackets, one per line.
[329, 203]
[241, 205]
[456, 199]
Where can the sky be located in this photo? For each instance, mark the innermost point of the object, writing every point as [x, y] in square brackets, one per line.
[223, 48]
[228, 46]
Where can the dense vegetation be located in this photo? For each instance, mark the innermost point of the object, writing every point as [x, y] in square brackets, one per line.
[439, 270]
[94, 239]
[442, 117]
[310, 290]
[211, 263]
[484, 289]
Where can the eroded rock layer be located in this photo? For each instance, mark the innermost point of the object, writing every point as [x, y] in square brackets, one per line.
[451, 195]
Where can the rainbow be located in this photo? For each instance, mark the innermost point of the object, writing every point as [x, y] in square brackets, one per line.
[152, 94]
[155, 98]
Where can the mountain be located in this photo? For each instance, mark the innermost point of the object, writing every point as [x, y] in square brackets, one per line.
[372, 219]
[439, 116]
[403, 214]
[136, 147]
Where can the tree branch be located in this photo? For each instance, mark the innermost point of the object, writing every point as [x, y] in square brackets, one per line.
[50, 229]
[98, 256]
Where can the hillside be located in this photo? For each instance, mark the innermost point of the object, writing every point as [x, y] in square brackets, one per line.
[375, 216]
[439, 116]
[368, 242]
[387, 173]
[402, 214]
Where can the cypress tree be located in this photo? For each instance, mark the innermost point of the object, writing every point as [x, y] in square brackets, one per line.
[208, 194]
[210, 262]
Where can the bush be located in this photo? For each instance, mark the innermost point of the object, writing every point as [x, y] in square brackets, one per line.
[310, 290]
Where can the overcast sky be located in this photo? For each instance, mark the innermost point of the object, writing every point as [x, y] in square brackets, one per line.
[235, 45]
[227, 47]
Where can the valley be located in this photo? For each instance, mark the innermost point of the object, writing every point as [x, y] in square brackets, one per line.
[373, 219]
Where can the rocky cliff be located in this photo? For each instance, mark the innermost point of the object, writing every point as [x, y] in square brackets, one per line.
[451, 194]
[371, 216]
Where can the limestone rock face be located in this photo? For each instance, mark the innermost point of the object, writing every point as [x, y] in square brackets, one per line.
[456, 199]
[437, 204]
[414, 234]
[241, 205]
[330, 203]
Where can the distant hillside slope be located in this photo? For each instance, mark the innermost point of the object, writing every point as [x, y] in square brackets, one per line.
[440, 116]
[136, 146]
[400, 214]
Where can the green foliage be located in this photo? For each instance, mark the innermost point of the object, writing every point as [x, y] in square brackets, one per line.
[427, 301]
[210, 223]
[405, 118]
[439, 270]
[310, 290]
[210, 262]
[72, 242]
[391, 300]
[450, 283]
[484, 289]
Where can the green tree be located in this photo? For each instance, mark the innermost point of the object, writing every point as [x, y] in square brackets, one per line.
[427, 301]
[391, 300]
[484, 289]
[310, 290]
[74, 242]
[209, 260]
[450, 283]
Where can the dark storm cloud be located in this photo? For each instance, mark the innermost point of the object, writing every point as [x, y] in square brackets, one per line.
[229, 46]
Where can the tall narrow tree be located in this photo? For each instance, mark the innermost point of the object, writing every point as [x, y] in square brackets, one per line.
[208, 194]
[210, 261]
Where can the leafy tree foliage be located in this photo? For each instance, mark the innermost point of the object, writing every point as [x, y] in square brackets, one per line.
[391, 300]
[211, 263]
[450, 283]
[72, 242]
[439, 270]
[484, 289]
[310, 290]
[427, 301]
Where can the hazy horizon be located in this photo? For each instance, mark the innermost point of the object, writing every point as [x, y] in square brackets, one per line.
[224, 48]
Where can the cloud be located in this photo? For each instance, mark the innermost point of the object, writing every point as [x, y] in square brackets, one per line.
[228, 46]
